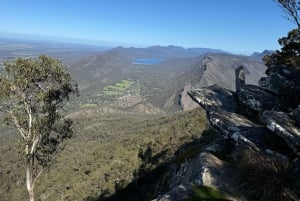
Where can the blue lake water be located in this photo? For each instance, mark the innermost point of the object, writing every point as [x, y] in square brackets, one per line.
[147, 61]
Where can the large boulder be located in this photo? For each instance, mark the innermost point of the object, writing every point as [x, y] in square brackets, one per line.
[214, 96]
[177, 193]
[256, 98]
[205, 169]
[238, 128]
[282, 125]
[276, 84]
[222, 112]
[284, 81]
[252, 96]
[202, 170]
[296, 115]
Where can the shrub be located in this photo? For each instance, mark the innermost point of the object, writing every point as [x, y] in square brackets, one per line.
[263, 177]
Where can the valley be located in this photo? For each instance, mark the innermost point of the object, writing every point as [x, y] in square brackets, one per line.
[130, 121]
[159, 84]
[150, 100]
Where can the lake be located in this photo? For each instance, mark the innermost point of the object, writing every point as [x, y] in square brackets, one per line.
[147, 61]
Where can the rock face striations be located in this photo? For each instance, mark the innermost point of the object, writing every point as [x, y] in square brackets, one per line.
[246, 113]
[248, 119]
[251, 117]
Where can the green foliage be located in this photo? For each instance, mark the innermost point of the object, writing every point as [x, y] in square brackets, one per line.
[283, 66]
[289, 54]
[288, 57]
[118, 88]
[208, 136]
[206, 193]
[104, 150]
[31, 93]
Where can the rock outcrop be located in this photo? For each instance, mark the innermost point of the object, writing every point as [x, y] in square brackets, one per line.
[205, 169]
[256, 98]
[296, 115]
[279, 84]
[248, 119]
[284, 82]
[229, 112]
[283, 125]
[214, 96]
[226, 112]
[219, 69]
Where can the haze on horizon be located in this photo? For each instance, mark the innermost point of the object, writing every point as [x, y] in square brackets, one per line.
[235, 26]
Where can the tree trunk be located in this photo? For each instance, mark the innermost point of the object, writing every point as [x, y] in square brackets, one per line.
[29, 179]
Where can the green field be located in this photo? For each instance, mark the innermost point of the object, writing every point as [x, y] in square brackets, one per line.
[88, 105]
[118, 88]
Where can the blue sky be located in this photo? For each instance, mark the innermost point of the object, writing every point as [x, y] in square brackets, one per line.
[238, 26]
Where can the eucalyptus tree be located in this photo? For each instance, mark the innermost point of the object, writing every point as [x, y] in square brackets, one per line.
[32, 94]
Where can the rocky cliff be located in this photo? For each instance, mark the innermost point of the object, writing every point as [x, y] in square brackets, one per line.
[218, 69]
[258, 156]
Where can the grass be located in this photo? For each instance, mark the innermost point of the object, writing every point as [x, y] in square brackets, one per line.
[107, 92]
[118, 88]
[206, 193]
[262, 177]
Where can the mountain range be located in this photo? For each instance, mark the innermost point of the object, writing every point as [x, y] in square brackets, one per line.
[163, 52]
[99, 71]
[128, 121]
[160, 84]
[259, 55]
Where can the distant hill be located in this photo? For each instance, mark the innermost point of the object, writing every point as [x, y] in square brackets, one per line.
[157, 84]
[120, 117]
[220, 69]
[163, 85]
[163, 52]
[259, 55]
[108, 76]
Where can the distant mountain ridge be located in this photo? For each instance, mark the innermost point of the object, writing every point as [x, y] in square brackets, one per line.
[162, 52]
[219, 69]
[164, 85]
[260, 55]
[109, 75]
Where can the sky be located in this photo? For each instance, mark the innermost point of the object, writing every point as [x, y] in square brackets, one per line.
[237, 26]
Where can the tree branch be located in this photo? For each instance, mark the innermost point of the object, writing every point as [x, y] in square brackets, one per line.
[34, 145]
[28, 110]
[18, 126]
[35, 179]
[290, 9]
